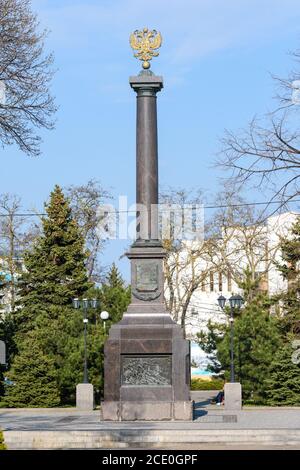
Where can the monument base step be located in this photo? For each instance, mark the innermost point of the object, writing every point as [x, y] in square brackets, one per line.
[147, 411]
[135, 438]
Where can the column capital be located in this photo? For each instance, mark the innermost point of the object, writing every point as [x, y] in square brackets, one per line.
[147, 82]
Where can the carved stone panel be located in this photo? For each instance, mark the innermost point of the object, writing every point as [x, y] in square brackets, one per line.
[146, 280]
[147, 370]
[147, 277]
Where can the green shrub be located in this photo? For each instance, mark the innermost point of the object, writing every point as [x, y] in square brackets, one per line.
[200, 384]
[2, 445]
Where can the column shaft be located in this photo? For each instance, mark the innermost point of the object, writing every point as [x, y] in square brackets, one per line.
[146, 88]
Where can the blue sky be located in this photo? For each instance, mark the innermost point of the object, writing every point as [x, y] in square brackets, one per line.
[216, 61]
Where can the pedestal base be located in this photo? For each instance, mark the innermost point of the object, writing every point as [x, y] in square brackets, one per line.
[147, 411]
[85, 397]
[146, 358]
[147, 370]
[233, 396]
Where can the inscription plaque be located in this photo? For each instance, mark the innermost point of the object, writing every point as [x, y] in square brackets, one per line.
[147, 370]
[147, 277]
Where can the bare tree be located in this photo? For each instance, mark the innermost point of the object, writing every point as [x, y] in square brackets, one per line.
[85, 201]
[13, 240]
[25, 75]
[186, 269]
[185, 266]
[288, 88]
[239, 241]
[235, 246]
[266, 154]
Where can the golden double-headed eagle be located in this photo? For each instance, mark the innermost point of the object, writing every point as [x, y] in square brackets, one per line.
[146, 43]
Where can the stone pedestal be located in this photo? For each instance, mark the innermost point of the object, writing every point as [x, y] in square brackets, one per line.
[233, 396]
[147, 374]
[147, 360]
[85, 397]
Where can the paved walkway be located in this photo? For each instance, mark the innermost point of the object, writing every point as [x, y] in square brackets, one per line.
[206, 417]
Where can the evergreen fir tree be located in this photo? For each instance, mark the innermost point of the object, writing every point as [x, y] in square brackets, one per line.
[55, 274]
[114, 278]
[114, 295]
[7, 335]
[256, 340]
[96, 339]
[34, 377]
[290, 269]
[55, 267]
[283, 384]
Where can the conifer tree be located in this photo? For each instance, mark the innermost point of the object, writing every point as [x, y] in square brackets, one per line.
[55, 266]
[114, 278]
[55, 274]
[290, 270]
[283, 384]
[114, 295]
[284, 380]
[257, 337]
[33, 377]
[7, 333]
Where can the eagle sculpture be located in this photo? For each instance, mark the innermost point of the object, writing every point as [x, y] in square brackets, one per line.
[145, 42]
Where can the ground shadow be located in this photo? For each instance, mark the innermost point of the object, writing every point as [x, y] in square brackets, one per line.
[198, 409]
[199, 412]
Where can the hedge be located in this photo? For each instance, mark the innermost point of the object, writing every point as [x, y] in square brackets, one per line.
[2, 445]
[200, 384]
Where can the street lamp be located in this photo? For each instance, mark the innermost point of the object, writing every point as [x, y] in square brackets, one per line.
[222, 301]
[85, 304]
[235, 302]
[104, 316]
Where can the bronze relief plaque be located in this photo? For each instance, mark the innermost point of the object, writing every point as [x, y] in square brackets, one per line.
[147, 370]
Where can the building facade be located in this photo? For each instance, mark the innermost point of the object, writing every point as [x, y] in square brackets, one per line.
[254, 247]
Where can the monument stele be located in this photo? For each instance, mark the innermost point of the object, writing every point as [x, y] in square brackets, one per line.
[146, 358]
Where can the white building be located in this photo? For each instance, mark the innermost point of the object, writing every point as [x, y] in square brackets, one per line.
[257, 246]
[6, 281]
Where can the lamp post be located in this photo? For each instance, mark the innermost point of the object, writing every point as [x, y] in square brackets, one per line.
[235, 302]
[104, 316]
[85, 304]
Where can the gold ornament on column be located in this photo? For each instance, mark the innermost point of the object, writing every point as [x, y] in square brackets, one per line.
[146, 43]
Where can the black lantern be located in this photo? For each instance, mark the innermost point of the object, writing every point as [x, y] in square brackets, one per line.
[222, 301]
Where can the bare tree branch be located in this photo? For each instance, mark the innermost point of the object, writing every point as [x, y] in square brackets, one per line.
[85, 201]
[25, 75]
[266, 154]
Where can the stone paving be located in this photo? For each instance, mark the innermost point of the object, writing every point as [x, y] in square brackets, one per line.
[206, 417]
